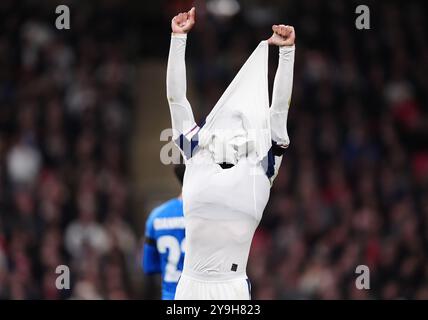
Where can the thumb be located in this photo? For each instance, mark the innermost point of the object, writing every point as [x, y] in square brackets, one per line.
[192, 14]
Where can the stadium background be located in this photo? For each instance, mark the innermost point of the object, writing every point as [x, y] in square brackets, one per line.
[81, 112]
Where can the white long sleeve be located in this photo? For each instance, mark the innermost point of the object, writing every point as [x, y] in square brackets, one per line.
[281, 97]
[183, 121]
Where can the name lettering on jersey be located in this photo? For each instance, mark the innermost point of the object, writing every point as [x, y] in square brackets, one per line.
[168, 223]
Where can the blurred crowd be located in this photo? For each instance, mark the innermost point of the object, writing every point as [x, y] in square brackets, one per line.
[352, 190]
[65, 110]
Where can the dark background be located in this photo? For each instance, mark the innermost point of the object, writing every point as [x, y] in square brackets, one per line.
[352, 188]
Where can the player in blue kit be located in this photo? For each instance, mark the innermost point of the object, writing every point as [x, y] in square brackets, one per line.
[164, 241]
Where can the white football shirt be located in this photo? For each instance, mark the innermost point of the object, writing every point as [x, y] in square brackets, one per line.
[223, 207]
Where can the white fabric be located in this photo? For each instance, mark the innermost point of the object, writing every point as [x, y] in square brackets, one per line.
[223, 207]
[176, 88]
[239, 122]
[281, 96]
[236, 111]
[189, 288]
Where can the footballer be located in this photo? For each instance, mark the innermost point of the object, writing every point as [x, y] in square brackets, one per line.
[231, 161]
[164, 241]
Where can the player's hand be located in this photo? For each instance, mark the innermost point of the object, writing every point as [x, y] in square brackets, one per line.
[282, 35]
[183, 22]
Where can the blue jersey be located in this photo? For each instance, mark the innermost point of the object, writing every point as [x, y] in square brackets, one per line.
[164, 245]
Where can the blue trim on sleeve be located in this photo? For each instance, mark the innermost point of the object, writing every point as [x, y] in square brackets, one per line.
[270, 171]
[188, 147]
[268, 162]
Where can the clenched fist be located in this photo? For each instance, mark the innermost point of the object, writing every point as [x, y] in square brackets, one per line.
[183, 22]
[282, 35]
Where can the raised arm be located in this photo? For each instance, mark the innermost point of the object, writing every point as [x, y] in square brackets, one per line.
[181, 112]
[284, 37]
